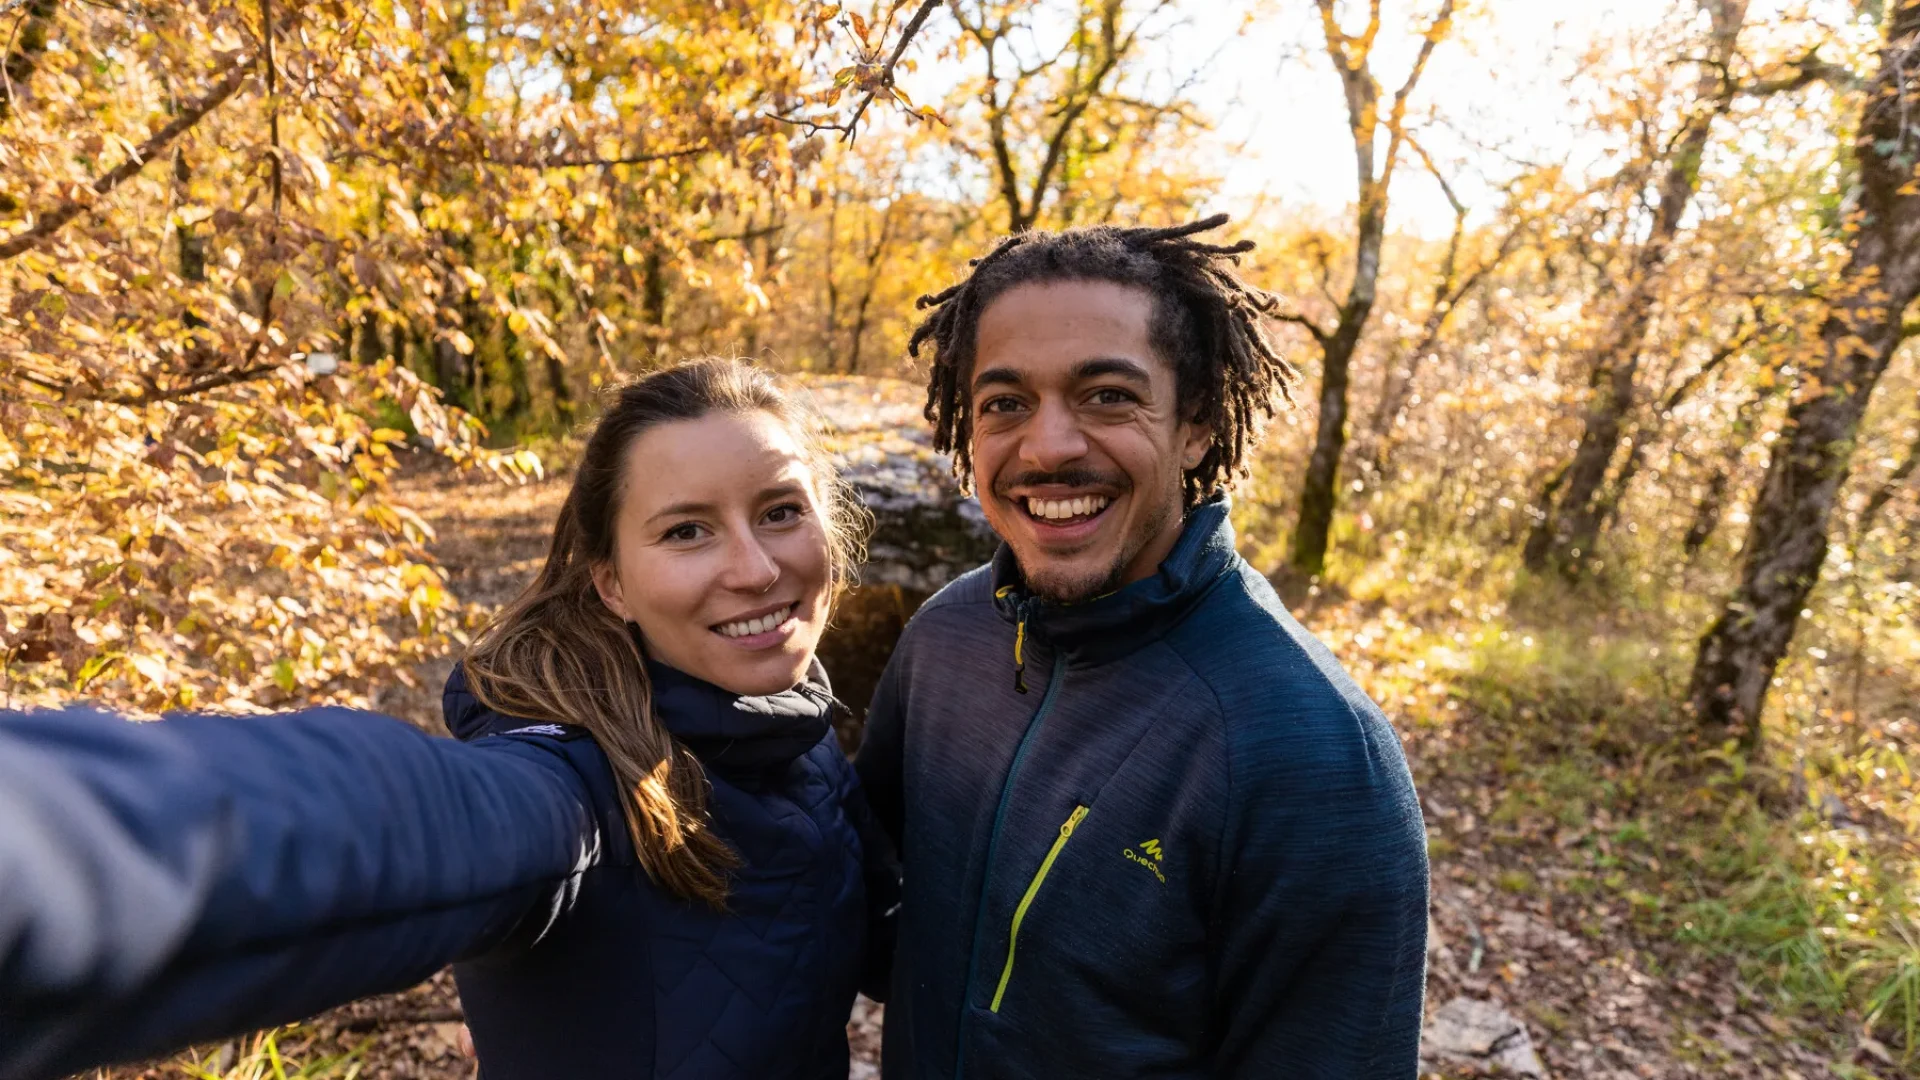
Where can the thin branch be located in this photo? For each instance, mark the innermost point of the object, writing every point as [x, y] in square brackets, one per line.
[1883, 494]
[1750, 325]
[53, 220]
[246, 371]
[1459, 208]
[1313, 328]
[1807, 70]
[596, 162]
[886, 71]
[881, 81]
[199, 386]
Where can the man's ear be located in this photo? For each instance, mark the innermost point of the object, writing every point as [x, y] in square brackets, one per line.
[1196, 440]
[606, 582]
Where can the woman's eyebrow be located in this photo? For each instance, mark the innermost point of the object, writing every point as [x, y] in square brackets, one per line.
[682, 508]
[779, 491]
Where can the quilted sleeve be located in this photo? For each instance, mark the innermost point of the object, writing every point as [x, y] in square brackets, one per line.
[163, 884]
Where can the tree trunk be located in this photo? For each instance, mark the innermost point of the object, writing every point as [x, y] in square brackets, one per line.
[1320, 489]
[1568, 531]
[1787, 541]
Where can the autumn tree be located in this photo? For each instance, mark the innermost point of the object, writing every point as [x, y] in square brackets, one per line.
[1059, 129]
[241, 242]
[1787, 539]
[1352, 56]
[1570, 503]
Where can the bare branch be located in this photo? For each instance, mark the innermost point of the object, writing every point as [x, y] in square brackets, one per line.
[1459, 209]
[1313, 328]
[1807, 70]
[53, 220]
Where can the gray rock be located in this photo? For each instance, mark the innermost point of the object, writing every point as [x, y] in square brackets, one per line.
[926, 532]
[1481, 1034]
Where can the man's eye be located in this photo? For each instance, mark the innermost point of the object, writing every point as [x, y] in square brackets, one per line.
[1109, 395]
[999, 405]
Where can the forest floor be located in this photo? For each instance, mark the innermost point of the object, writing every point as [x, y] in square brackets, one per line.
[1555, 875]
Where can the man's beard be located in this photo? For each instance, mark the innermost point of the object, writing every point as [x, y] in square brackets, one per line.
[1073, 585]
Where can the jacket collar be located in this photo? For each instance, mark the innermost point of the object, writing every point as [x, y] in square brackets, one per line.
[736, 734]
[1112, 626]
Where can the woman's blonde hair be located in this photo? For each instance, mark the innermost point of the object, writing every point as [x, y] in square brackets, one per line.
[558, 654]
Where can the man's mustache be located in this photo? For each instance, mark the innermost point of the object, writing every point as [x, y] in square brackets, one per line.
[1071, 478]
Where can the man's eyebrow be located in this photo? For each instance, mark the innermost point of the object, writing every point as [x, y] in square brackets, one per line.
[1130, 370]
[999, 376]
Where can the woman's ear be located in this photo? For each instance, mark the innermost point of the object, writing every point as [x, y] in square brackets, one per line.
[606, 582]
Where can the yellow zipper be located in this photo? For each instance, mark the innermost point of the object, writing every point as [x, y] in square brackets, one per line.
[1033, 888]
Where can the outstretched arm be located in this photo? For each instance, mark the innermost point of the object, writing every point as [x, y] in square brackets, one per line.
[167, 883]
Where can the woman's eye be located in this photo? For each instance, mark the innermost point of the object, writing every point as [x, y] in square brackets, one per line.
[785, 514]
[682, 533]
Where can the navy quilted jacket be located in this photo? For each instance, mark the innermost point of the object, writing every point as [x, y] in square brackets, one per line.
[631, 983]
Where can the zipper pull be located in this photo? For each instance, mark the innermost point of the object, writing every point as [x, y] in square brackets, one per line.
[1066, 828]
[1019, 652]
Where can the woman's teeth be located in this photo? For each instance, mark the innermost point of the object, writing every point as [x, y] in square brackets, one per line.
[749, 627]
[1062, 509]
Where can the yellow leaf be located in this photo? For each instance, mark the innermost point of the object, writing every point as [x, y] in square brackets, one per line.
[152, 669]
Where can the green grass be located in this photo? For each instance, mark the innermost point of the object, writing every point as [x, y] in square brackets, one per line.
[263, 1059]
[1571, 715]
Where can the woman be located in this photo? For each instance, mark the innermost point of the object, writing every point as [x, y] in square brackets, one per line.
[652, 860]
[666, 650]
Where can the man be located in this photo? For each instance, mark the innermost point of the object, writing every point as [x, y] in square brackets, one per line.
[1149, 827]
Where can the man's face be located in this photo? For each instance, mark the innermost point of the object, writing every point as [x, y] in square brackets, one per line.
[1078, 443]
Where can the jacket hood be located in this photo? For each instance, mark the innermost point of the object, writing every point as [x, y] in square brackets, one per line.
[1111, 626]
[726, 731]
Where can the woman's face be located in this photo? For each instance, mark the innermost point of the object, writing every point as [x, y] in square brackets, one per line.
[720, 553]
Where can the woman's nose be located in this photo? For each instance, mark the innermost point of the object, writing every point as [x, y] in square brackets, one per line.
[750, 566]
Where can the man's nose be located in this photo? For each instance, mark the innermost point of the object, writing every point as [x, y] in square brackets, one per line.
[1053, 439]
[750, 568]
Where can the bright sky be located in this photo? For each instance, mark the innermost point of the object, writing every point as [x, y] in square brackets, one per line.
[1499, 78]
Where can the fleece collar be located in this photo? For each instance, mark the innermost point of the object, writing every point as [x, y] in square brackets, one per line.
[1112, 626]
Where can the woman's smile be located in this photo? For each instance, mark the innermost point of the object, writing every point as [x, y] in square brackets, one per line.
[761, 629]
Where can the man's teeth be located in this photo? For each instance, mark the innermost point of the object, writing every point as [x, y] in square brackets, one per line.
[1061, 509]
[749, 627]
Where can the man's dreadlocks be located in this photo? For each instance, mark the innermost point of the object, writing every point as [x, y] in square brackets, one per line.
[1206, 322]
